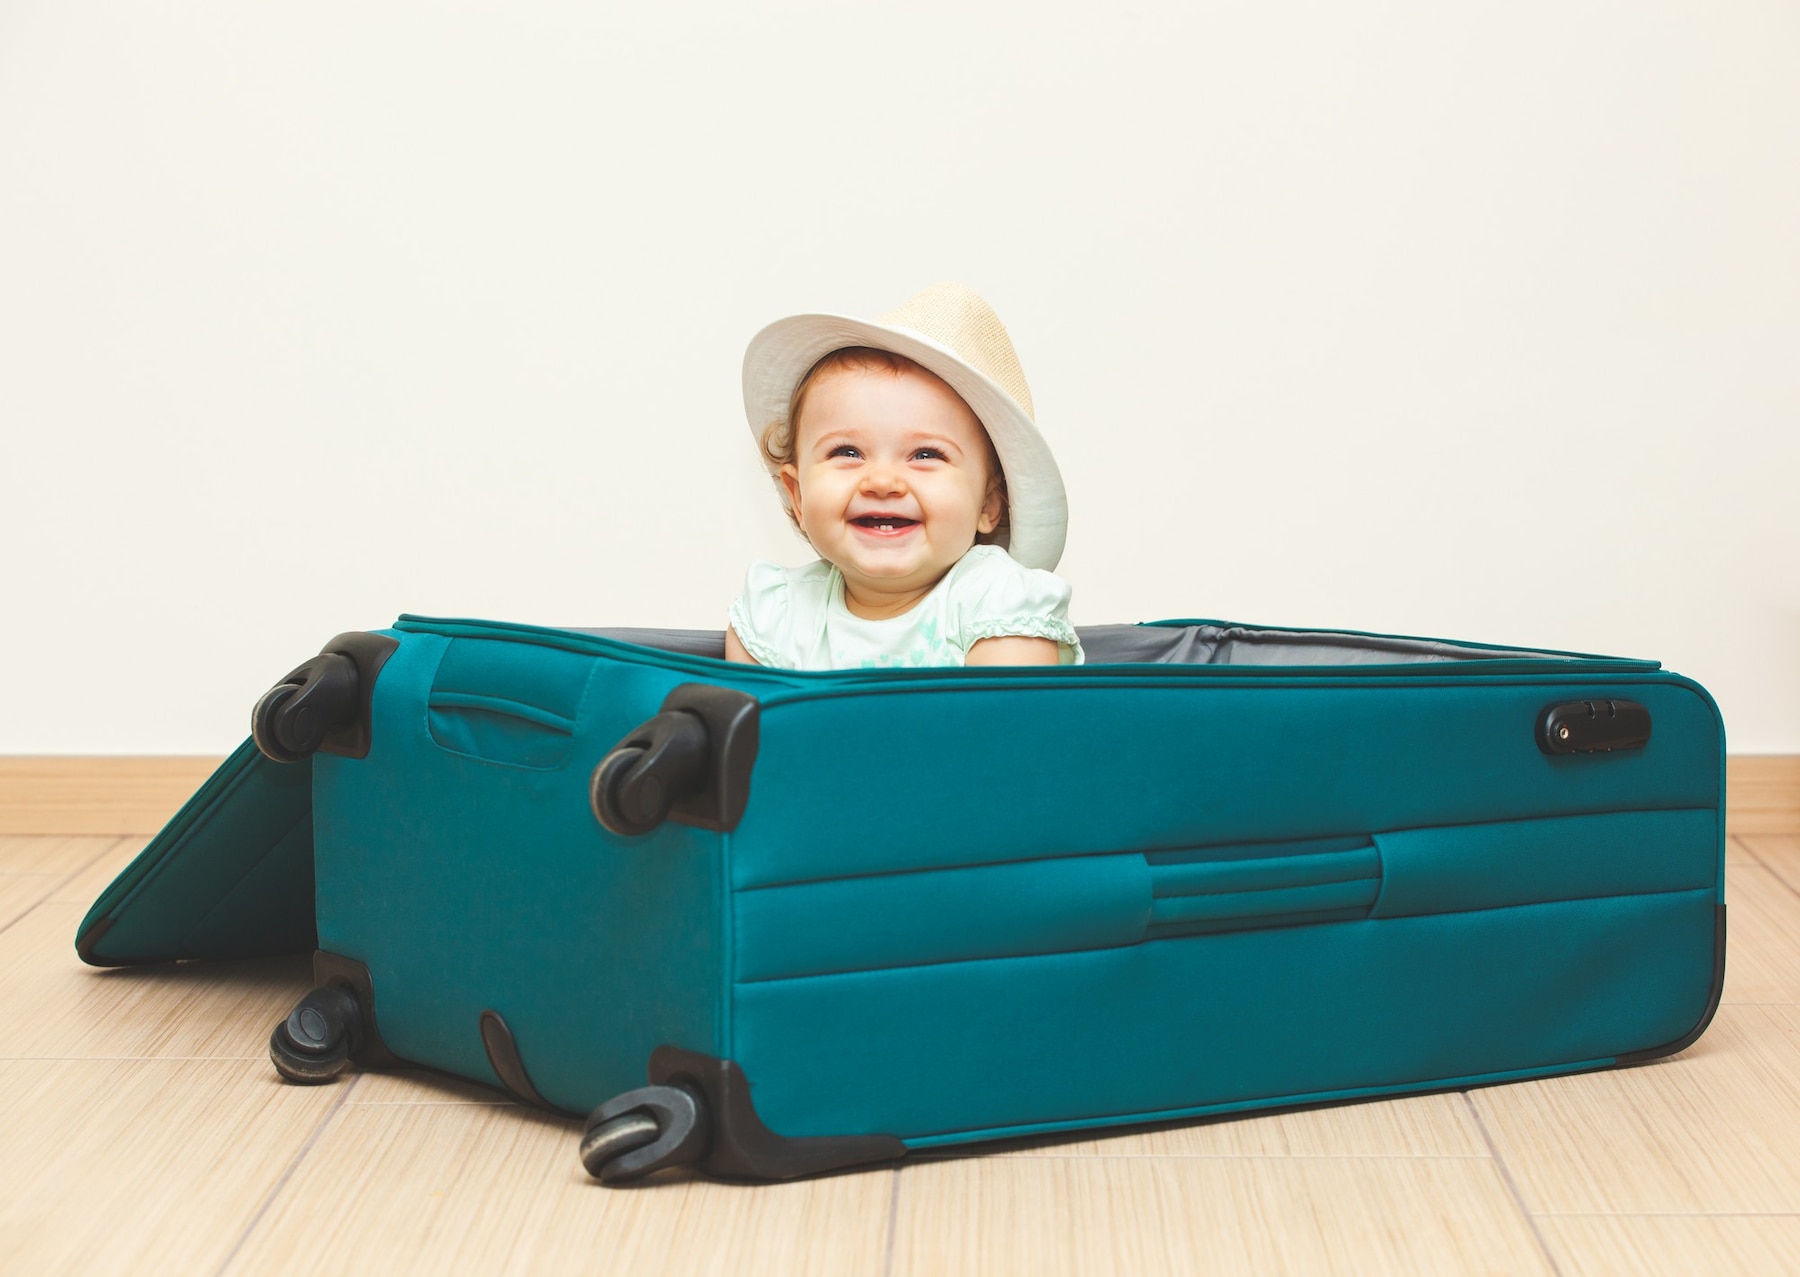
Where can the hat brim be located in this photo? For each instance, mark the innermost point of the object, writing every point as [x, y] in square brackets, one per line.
[1037, 507]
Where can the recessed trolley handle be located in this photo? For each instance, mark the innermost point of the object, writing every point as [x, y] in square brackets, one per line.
[1598, 726]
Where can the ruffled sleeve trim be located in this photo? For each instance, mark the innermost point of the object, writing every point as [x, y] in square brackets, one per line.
[740, 625]
[996, 597]
[765, 591]
[1054, 628]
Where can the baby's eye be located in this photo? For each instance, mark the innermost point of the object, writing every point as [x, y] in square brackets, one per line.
[928, 454]
[844, 450]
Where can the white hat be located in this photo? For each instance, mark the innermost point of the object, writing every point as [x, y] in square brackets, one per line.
[951, 331]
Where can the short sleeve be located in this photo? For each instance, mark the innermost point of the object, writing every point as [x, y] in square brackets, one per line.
[762, 616]
[994, 596]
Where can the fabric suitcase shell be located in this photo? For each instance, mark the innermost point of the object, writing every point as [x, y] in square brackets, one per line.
[963, 905]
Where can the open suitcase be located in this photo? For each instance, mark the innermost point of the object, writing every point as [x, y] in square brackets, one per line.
[777, 923]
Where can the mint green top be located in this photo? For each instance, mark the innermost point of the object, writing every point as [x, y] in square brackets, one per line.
[795, 618]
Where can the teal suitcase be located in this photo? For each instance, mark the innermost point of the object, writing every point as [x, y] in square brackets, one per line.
[774, 923]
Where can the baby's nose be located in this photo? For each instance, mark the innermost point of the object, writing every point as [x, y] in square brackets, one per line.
[883, 480]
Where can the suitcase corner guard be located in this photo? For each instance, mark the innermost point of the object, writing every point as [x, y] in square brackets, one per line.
[323, 704]
[690, 764]
[698, 1110]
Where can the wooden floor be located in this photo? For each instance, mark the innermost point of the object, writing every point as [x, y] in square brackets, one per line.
[142, 1130]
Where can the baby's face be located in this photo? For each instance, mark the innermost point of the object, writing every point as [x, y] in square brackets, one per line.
[891, 482]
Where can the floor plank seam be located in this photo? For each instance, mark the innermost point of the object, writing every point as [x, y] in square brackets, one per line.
[1732, 1002]
[1671, 1214]
[1512, 1186]
[28, 910]
[438, 1104]
[318, 1131]
[129, 1059]
[921, 1159]
[1775, 873]
[893, 1226]
[62, 880]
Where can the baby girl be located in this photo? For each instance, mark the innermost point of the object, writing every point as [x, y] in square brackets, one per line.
[906, 455]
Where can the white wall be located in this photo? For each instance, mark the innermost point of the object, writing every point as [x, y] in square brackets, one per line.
[1465, 320]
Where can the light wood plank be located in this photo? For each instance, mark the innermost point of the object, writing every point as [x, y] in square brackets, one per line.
[1737, 853]
[1653, 1245]
[62, 856]
[1762, 794]
[53, 1006]
[1762, 955]
[35, 869]
[1418, 1126]
[1714, 1129]
[1101, 1215]
[1779, 853]
[500, 1189]
[20, 893]
[422, 1086]
[87, 795]
[140, 1166]
[84, 888]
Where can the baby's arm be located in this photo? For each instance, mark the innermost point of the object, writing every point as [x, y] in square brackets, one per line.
[1008, 649]
[734, 650]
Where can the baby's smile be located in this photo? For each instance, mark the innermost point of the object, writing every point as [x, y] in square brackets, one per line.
[884, 524]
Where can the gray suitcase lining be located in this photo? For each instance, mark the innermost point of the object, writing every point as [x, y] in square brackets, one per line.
[1198, 644]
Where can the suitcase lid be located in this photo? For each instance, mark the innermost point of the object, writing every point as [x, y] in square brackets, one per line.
[230, 876]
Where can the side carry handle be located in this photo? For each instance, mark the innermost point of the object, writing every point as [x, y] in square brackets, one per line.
[1593, 727]
[690, 764]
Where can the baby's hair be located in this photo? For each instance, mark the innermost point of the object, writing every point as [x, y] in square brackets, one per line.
[780, 439]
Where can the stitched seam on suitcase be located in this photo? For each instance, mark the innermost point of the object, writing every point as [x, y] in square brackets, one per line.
[1214, 936]
[1175, 847]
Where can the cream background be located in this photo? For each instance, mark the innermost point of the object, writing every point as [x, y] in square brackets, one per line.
[1472, 320]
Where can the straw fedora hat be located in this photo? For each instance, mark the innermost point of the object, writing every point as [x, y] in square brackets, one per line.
[951, 331]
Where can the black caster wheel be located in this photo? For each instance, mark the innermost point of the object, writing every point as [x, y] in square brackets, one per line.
[607, 793]
[611, 1140]
[294, 717]
[643, 1131]
[645, 775]
[264, 724]
[315, 1042]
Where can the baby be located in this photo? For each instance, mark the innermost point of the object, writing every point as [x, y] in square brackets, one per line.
[906, 455]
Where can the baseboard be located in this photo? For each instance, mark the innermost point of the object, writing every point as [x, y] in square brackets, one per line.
[125, 796]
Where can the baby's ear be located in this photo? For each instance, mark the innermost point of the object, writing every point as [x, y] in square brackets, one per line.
[790, 483]
[993, 505]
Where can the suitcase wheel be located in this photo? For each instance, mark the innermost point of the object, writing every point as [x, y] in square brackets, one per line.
[294, 717]
[647, 773]
[610, 1141]
[315, 1041]
[642, 1131]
